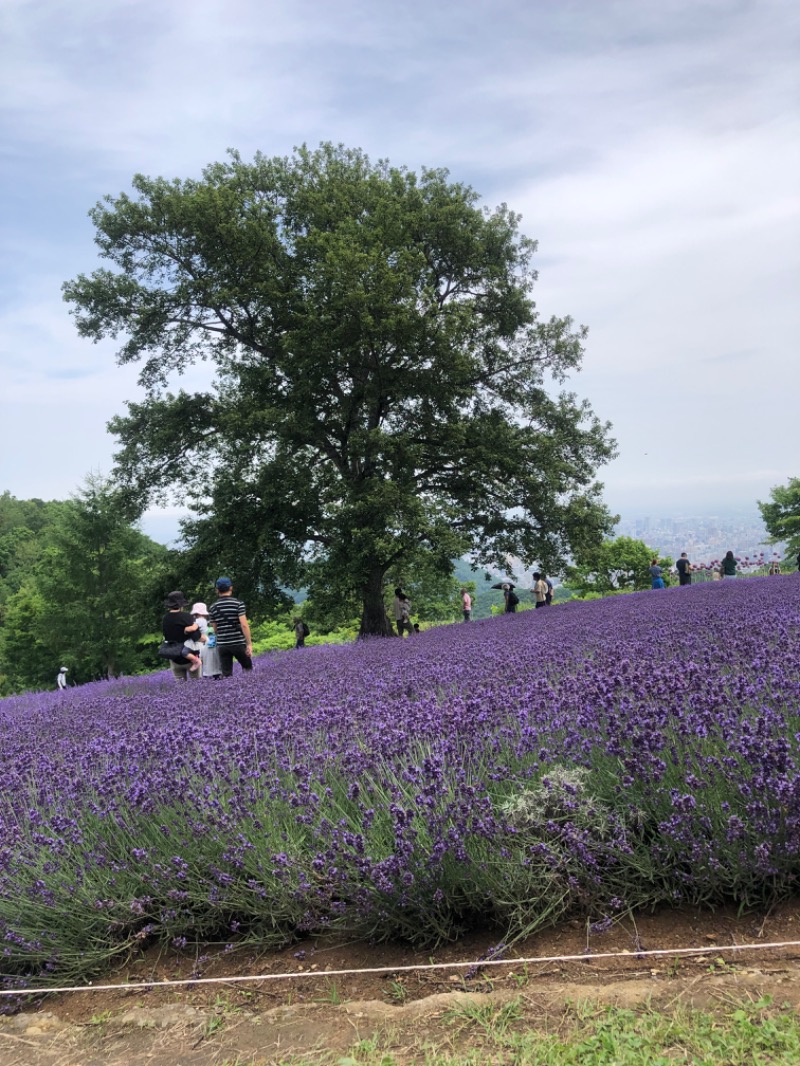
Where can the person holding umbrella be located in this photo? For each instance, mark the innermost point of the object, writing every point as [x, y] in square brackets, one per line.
[509, 595]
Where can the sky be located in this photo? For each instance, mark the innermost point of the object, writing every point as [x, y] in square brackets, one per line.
[652, 148]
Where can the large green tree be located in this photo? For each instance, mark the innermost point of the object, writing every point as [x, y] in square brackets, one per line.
[90, 601]
[380, 373]
[781, 515]
[618, 565]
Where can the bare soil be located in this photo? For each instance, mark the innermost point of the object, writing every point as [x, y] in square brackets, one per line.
[319, 1015]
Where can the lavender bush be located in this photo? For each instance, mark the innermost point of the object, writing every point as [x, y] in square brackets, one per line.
[597, 756]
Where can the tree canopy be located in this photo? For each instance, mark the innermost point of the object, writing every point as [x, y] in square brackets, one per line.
[781, 515]
[618, 565]
[381, 393]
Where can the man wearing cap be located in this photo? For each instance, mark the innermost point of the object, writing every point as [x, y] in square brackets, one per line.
[61, 680]
[231, 629]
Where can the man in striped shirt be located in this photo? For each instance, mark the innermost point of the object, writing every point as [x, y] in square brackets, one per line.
[231, 629]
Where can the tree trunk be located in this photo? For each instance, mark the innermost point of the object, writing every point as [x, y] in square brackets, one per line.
[374, 620]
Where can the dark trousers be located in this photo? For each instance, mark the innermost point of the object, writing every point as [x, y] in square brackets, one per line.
[227, 653]
[685, 579]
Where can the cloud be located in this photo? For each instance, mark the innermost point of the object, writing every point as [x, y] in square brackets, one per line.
[650, 148]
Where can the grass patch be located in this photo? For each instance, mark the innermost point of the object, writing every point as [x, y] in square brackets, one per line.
[751, 1034]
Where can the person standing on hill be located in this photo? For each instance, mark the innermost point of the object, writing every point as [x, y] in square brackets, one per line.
[511, 598]
[61, 680]
[177, 625]
[231, 628]
[549, 597]
[397, 610]
[728, 568]
[539, 590]
[405, 611]
[209, 657]
[301, 631]
[401, 608]
[684, 568]
[466, 605]
[656, 575]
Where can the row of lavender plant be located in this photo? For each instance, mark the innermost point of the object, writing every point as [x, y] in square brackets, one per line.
[596, 756]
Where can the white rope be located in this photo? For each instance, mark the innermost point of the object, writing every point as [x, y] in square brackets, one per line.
[477, 964]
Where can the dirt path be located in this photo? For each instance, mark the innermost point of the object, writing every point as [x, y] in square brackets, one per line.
[320, 1018]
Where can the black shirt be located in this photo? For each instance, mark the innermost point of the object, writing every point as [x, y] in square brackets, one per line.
[683, 566]
[174, 625]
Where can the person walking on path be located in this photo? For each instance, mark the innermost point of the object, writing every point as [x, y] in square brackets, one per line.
[684, 568]
[656, 575]
[728, 568]
[177, 625]
[231, 629]
[466, 605]
[539, 590]
[61, 680]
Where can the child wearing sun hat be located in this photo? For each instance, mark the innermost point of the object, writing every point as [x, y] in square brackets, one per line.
[209, 656]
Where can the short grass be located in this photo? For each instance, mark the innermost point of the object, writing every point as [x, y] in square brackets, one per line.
[750, 1034]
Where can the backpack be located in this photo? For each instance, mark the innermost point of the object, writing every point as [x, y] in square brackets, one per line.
[306, 630]
[513, 600]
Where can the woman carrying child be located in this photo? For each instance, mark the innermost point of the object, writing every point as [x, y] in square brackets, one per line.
[179, 627]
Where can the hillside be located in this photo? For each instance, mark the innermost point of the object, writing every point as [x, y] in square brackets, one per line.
[588, 759]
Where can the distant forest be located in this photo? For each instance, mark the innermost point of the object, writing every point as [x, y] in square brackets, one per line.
[83, 587]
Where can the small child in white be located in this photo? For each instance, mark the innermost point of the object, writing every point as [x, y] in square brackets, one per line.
[209, 656]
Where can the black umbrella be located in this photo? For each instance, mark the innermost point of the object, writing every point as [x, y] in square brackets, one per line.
[503, 584]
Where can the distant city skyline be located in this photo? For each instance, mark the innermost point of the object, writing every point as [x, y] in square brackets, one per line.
[705, 536]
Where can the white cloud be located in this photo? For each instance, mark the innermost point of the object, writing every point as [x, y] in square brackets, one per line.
[650, 147]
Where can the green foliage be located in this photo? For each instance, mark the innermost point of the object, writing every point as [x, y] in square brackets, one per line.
[380, 393]
[22, 525]
[781, 515]
[88, 598]
[618, 565]
[432, 586]
[277, 634]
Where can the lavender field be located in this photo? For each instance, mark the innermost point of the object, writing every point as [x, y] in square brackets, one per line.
[590, 758]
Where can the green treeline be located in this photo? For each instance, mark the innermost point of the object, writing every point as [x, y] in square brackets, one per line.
[81, 586]
[78, 587]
